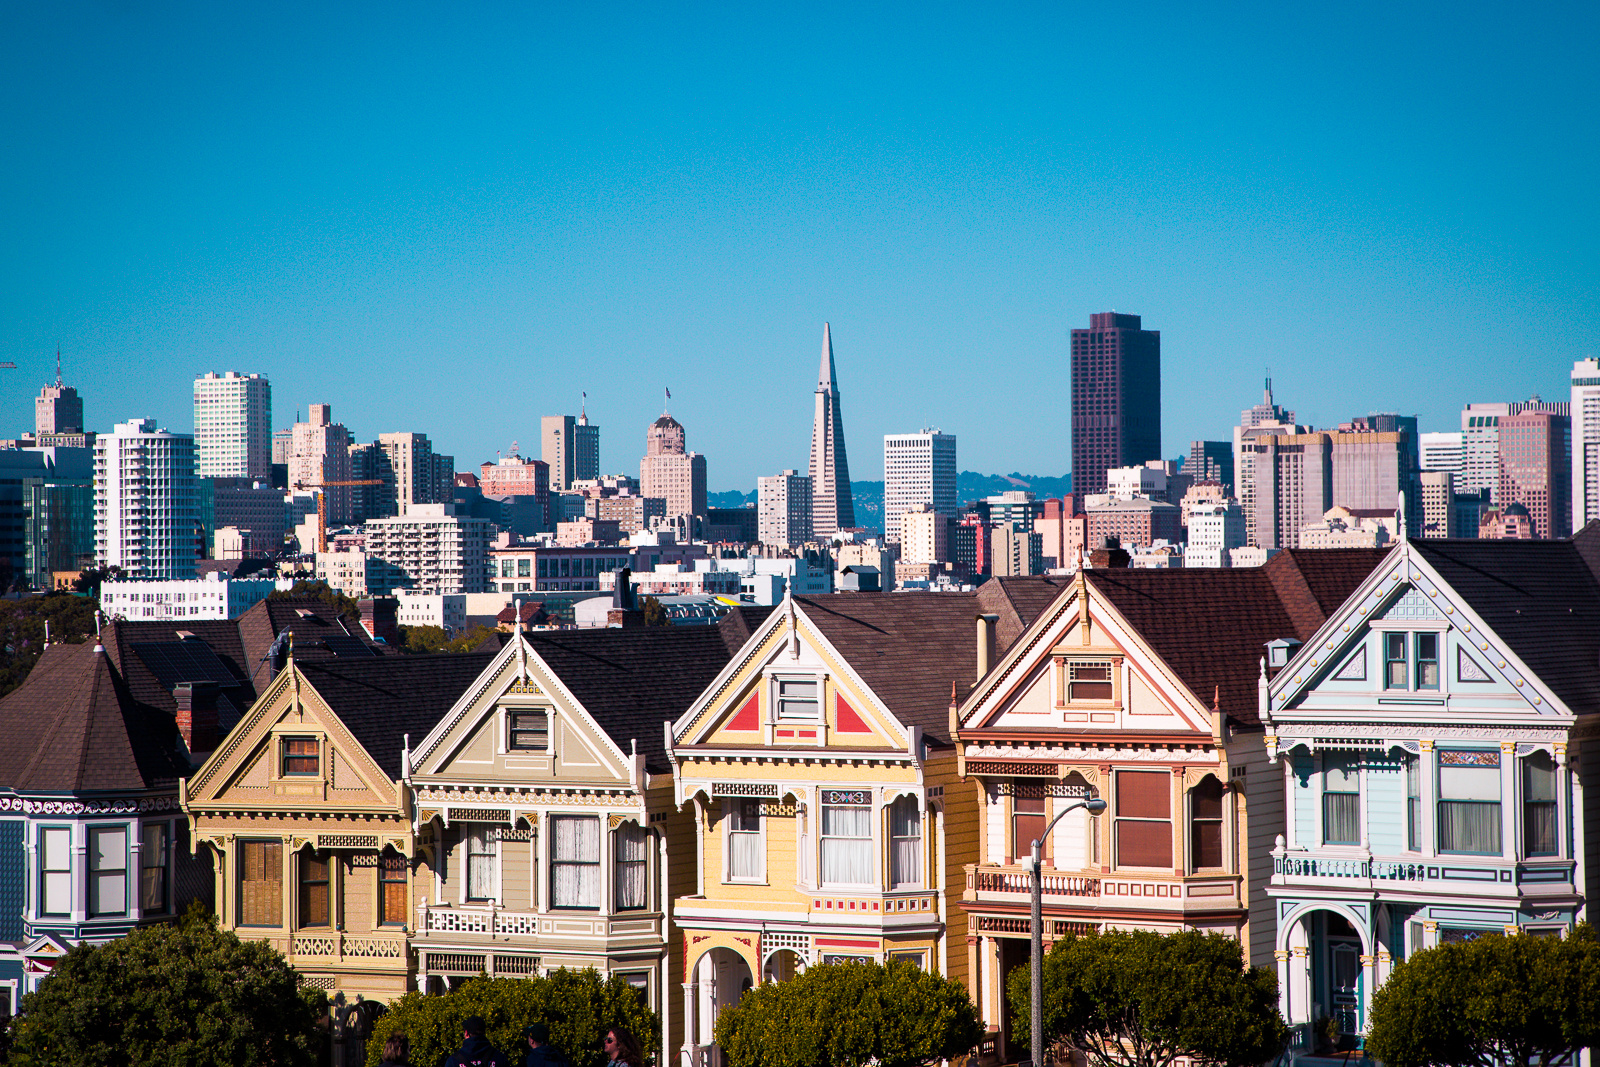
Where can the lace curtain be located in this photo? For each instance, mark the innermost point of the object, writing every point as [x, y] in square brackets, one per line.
[847, 845]
[632, 863]
[575, 864]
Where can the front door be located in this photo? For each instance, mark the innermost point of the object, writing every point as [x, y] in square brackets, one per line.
[1344, 984]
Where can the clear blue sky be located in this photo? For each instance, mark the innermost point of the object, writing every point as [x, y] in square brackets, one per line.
[454, 218]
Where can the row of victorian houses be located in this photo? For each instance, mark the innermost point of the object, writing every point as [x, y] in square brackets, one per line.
[1339, 758]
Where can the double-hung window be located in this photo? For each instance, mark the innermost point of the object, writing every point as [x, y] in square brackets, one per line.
[1205, 825]
[299, 756]
[315, 904]
[632, 867]
[847, 838]
[1396, 669]
[1411, 660]
[1341, 800]
[391, 888]
[1089, 681]
[1144, 819]
[108, 870]
[1414, 803]
[797, 698]
[153, 869]
[527, 731]
[1027, 822]
[905, 844]
[1427, 648]
[1539, 836]
[744, 840]
[1469, 801]
[261, 883]
[55, 870]
[483, 861]
[575, 861]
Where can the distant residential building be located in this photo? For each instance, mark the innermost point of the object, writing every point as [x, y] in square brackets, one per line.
[571, 447]
[969, 543]
[783, 509]
[233, 425]
[1509, 523]
[678, 579]
[437, 550]
[1584, 412]
[670, 471]
[832, 505]
[212, 597]
[918, 468]
[587, 531]
[1210, 461]
[513, 475]
[321, 455]
[447, 611]
[416, 473]
[1133, 522]
[1015, 552]
[1063, 530]
[1216, 528]
[736, 526]
[251, 506]
[1535, 458]
[1348, 528]
[631, 513]
[282, 447]
[1444, 452]
[345, 572]
[145, 516]
[925, 534]
[552, 568]
[1470, 509]
[877, 556]
[1116, 398]
[1438, 503]
[1014, 507]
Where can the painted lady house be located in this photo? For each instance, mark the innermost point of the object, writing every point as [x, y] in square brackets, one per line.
[547, 831]
[1429, 735]
[305, 817]
[1138, 687]
[828, 819]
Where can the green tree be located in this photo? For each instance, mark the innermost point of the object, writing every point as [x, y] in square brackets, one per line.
[1496, 1000]
[654, 613]
[349, 607]
[1133, 998]
[848, 1015]
[422, 640]
[22, 629]
[89, 581]
[188, 994]
[577, 1006]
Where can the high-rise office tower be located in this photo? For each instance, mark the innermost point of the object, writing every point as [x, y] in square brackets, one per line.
[1480, 432]
[571, 447]
[1436, 488]
[233, 425]
[832, 507]
[1210, 461]
[1116, 398]
[58, 409]
[1444, 452]
[783, 509]
[1585, 415]
[321, 454]
[146, 519]
[417, 474]
[918, 468]
[670, 471]
[1263, 420]
[1535, 454]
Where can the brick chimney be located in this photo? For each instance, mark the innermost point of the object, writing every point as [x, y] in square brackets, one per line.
[197, 715]
[380, 617]
[1109, 554]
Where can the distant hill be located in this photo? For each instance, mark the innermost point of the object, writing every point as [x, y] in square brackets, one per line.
[970, 486]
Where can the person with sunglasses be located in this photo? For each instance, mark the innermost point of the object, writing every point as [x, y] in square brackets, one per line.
[622, 1048]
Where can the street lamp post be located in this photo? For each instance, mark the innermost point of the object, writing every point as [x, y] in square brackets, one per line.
[1095, 806]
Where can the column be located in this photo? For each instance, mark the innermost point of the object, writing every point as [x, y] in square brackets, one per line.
[690, 1004]
[80, 872]
[32, 876]
[1510, 846]
[1427, 771]
[542, 862]
[1285, 1008]
[1180, 821]
[608, 906]
[1369, 985]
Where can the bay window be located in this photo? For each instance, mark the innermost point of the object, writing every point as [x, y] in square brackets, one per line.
[905, 844]
[1205, 825]
[575, 861]
[153, 869]
[108, 870]
[1341, 800]
[847, 838]
[391, 888]
[55, 870]
[483, 862]
[261, 883]
[631, 876]
[1027, 822]
[1539, 836]
[1143, 824]
[745, 853]
[1469, 801]
[315, 907]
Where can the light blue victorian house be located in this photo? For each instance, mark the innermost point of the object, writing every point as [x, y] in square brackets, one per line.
[1430, 737]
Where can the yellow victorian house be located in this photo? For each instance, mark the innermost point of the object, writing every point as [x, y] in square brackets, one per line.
[828, 812]
[306, 815]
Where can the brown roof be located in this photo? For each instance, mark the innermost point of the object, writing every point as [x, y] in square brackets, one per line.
[74, 727]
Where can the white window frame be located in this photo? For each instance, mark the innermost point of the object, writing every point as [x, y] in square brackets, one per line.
[91, 834]
[778, 681]
[921, 838]
[759, 833]
[43, 900]
[489, 835]
[875, 864]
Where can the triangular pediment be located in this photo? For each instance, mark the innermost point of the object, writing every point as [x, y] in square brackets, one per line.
[291, 751]
[789, 687]
[1406, 641]
[519, 723]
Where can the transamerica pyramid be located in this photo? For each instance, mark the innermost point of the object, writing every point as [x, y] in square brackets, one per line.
[832, 508]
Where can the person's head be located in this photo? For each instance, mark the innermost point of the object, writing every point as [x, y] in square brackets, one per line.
[620, 1045]
[472, 1026]
[536, 1034]
[397, 1049]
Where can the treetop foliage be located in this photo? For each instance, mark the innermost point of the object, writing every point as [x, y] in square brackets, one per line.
[22, 625]
[1134, 998]
[577, 1006]
[349, 607]
[1496, 1000]
[849, 1015]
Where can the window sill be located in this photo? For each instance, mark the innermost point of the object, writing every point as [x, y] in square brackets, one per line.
[745, 881]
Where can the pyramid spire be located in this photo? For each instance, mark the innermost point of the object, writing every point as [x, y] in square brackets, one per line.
[825, 375]
[832, 508]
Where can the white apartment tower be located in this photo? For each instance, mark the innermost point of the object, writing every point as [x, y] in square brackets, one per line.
[438, 550]
[146, 513]
[1480, 448]
[924, 535]
[1443, 451]
[1585, 442]
[233, 425]
[918, 468]
[783, 509]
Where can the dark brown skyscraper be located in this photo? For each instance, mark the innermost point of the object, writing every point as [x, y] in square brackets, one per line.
[1116, 398]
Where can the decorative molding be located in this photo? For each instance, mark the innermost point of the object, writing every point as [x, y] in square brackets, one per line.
[118, 806]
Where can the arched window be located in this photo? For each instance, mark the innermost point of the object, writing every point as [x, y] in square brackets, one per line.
[1205, 825]
[905, 841]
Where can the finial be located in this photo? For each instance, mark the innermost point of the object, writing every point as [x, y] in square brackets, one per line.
[516, 615]
[1400, 517]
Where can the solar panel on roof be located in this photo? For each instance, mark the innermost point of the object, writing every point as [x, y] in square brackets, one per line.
[183, 661]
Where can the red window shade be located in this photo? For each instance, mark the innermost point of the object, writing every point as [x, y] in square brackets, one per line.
[1144, 794]
[1144, 844]
[1205, 839]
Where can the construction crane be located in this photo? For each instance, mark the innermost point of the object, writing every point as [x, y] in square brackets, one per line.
[322, 504]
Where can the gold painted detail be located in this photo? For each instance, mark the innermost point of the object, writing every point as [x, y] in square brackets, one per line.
[347, 840]
[525, 688]
[313, 946]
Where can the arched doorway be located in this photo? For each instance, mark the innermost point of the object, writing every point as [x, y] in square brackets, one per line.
[782, 965]
[721, 977]
[1328, 974]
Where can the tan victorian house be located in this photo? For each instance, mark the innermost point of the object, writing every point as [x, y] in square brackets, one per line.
[306, 816]
[828, 815]
[1141, 687]
[547, 831]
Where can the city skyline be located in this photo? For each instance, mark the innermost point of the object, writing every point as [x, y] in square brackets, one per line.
[680, 200]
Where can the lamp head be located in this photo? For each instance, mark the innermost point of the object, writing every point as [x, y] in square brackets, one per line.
[1094, 805]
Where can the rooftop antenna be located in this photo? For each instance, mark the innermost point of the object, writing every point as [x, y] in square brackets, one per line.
[58, 366]
[583, 411]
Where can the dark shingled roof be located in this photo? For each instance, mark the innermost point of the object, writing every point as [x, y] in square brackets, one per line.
[383, 698]
[1210, 625]
[74, 727]
[633, 680]
[1540, 597]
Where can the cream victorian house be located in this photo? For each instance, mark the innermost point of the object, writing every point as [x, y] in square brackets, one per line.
[828, 818]
[547, 830]
[1138, 687]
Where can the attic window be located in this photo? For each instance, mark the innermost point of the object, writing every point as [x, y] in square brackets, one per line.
[299, 756]
[1089, 680]
[527, 731]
